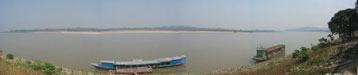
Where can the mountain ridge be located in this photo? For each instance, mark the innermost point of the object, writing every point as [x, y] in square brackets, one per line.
[309, 29]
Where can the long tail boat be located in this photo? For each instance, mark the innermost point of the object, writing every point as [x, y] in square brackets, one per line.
[156, 63]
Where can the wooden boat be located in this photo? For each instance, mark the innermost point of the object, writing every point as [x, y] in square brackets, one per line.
[160, 62]
[265, 54]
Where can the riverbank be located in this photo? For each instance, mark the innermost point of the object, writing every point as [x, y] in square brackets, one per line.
[334, 57]
[253, 68]
[7, 68]
[20, 66]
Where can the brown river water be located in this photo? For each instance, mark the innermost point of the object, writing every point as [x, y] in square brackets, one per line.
[205, 51]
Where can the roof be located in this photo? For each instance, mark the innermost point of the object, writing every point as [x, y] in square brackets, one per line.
[274, 47]
[107, 61]
[136, 62]
[141, 62]
[170, 59]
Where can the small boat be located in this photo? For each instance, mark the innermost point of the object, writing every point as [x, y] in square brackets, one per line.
[265, 54]
[156, 63]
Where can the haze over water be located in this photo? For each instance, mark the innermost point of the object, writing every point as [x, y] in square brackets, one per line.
[205, 51]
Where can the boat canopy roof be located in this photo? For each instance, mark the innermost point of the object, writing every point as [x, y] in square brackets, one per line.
[107, 61]
[141, 62]
[274, 47]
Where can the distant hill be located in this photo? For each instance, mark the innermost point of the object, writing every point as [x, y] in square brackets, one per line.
[309, 29]
[172, 28]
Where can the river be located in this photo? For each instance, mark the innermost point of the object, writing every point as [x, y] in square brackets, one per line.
[205, 51]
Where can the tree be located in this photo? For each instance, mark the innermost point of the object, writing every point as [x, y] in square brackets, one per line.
[342, 23]
[357, 6]
[355, 19]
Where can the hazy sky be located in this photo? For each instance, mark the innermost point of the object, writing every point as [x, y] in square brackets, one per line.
[233, 14]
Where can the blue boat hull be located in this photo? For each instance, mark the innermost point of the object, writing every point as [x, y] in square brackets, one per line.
[101, 67]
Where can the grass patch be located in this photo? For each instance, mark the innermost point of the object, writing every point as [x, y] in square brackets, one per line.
[7, 68]
[313, 71]
[278, 69]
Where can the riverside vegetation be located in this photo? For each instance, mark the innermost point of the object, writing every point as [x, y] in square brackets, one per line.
[7, 68]
[330, 56]
[333, 57]
[11, 65]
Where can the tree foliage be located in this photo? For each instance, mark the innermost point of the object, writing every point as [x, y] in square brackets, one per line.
[343, 23]
[330, 36]
[357, 6]
[323, 42]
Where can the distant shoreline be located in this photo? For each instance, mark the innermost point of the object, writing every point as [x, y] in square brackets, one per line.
[142, 31]
[163, 29]
[135, 31]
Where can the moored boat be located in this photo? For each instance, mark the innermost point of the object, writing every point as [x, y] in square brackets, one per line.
[156, 63]
[265, 54]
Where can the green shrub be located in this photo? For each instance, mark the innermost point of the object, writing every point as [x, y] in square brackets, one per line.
[45, 67]
[323, 42]
[48, 68]
[296, 54]
[314, 61]
[0, 51]
[314, 48]
[302, 54]
[59, 71]
[37, 65]
[10, 56]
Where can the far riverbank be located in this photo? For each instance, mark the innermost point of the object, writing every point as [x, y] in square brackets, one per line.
[134, 31]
